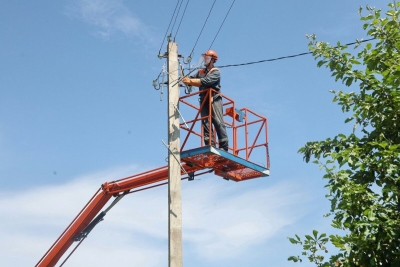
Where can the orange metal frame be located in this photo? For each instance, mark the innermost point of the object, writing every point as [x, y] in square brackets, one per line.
[227, 165]
[246, 143]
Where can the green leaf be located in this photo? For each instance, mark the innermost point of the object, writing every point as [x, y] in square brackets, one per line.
[371, 215]
[349, 119]
[383, 144]
[349, 81]
[293, 258]
[308, 237]
[297, 237]
[366, 212]
[321, 63]
[315, 233]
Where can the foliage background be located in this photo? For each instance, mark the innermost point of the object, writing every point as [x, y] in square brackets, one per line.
[362, 167]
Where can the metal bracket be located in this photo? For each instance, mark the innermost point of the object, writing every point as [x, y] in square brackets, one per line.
[191, 176]
[167, 146]
[180, 115]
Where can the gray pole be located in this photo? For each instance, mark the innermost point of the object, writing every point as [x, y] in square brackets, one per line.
[174, 157]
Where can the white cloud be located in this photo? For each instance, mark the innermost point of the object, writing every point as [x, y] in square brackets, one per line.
[225, 224]
[108, 18]
[221, 220]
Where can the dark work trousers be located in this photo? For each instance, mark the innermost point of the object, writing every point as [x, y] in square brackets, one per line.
[217, 121]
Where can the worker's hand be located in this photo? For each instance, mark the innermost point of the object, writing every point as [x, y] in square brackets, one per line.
[194, 82]
[186, 80]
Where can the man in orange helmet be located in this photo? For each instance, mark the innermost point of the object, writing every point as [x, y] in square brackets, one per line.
[210, 77]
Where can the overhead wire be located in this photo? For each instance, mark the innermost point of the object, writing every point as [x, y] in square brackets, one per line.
[183, 14]
[222, 23]
[177, 14]
[285, 57]
[279, 58]
[205, 22]
[173, 15]
[247, 63]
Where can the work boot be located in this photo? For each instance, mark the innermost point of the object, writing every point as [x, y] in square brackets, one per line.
[224, 149]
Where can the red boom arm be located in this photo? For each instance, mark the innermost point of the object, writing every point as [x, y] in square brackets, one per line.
[93, 207]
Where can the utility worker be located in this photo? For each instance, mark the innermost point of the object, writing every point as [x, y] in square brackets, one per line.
[210, 77]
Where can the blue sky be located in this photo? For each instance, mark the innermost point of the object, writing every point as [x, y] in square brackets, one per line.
[77, 108]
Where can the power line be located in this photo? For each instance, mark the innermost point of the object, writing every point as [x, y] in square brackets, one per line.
[177, 14]
[173, 15]
[184, 11]
[222, 23]
[264, 60]
[285, 57]
[202, 28]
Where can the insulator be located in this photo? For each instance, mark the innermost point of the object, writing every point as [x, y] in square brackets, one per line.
[155, 84]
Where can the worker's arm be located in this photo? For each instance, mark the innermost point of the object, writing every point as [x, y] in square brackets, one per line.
[191, 81]
[212, 79]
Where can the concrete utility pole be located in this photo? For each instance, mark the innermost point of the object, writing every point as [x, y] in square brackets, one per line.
[174, 159]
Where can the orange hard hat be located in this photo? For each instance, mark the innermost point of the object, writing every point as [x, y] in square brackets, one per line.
[212, 54]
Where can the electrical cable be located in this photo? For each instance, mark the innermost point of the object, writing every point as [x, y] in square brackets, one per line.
[222, 24]
[177, 14]
[184, 11]
[285, 57]
[205, 22]
[173, 15]
[279, 58]
[155, 81]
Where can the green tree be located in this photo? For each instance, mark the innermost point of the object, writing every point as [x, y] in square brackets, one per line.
[362, 167]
